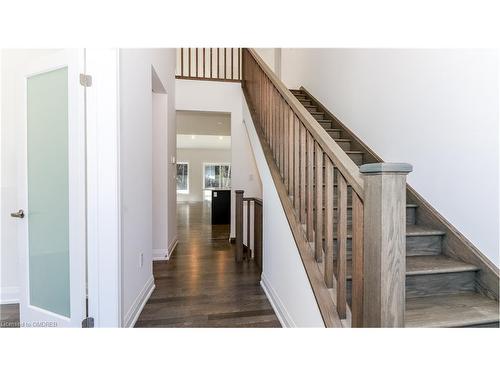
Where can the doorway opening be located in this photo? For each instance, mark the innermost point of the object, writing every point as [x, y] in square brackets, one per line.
[203, 171]
[202, 285]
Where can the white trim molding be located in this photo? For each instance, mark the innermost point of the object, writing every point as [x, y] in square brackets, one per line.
[9, 294]
[165, 254]
[135, 310]
[277, 305]
[160, 254]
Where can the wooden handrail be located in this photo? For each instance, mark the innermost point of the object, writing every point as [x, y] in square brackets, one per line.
[346, 166]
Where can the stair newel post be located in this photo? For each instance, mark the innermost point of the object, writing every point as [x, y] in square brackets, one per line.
[384, 243]
[239, 225]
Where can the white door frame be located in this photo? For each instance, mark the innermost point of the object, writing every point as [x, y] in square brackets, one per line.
[103, 177]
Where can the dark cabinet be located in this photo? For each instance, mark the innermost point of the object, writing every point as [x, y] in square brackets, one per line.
[221, 206]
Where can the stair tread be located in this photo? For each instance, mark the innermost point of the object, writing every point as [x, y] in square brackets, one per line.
[428, 264]
[422, 230]
[411, 230]
[451, 310]
[349, 206]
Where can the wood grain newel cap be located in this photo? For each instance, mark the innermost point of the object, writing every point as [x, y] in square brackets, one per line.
[386, 168]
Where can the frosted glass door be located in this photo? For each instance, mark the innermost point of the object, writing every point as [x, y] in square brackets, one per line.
[48, 191]
[52, 192]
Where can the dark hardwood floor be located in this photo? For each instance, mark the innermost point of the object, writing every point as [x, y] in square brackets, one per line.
[202, 285]
[9, 315]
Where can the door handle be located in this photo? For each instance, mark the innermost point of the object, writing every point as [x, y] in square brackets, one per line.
[19, 214]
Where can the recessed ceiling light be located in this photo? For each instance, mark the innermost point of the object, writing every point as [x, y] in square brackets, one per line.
[193, 137]
[221, 137]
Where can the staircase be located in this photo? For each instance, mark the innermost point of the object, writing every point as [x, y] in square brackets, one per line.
[441, 290]
[375, 252]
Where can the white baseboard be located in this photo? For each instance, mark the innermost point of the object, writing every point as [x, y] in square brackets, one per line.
[9, 294]
[165, 254]
[160, 254]
[277, 305]
[172, 247]
[139, 303]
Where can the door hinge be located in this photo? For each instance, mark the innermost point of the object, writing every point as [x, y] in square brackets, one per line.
[85, 80]
[88, 322]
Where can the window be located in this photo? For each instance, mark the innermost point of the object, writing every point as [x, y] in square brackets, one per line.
[183, 178]
[216, 176]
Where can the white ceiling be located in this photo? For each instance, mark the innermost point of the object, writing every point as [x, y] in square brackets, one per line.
[207, 123]
[203, 141]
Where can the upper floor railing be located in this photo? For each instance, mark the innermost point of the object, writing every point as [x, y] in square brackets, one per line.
[336, 210]
[215, 64]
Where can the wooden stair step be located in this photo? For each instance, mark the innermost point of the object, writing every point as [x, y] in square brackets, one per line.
[301, 96]
[310, 107]
[432, 275]
[410, 212]
[412, 230]
[356, 157]
[305, 102]
[325, 121]
[421, 230]
[426, 265]
[315, 112]
[434, 265]
[331, 131]
[420, 240]
[453, 310]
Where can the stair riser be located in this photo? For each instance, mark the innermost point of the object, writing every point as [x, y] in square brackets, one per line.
[335, 133]
[356, 158]
[434, 284]
[437, 284]
[319, 116]
[423, 245]
[310, 107]
[344, 145]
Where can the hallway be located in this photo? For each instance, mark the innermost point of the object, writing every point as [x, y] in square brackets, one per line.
[201, 285]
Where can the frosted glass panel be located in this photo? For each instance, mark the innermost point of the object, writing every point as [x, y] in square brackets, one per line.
[48, 212]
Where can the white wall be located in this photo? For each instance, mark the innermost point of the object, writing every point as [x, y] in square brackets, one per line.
[196, 158]
[160, 167]
[224, 97]
[283, 276]
[13, 65]
[268, 55]
[136, 135]
[435, 109]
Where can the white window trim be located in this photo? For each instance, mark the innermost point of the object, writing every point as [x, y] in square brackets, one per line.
[188, 171]
[214, 163]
